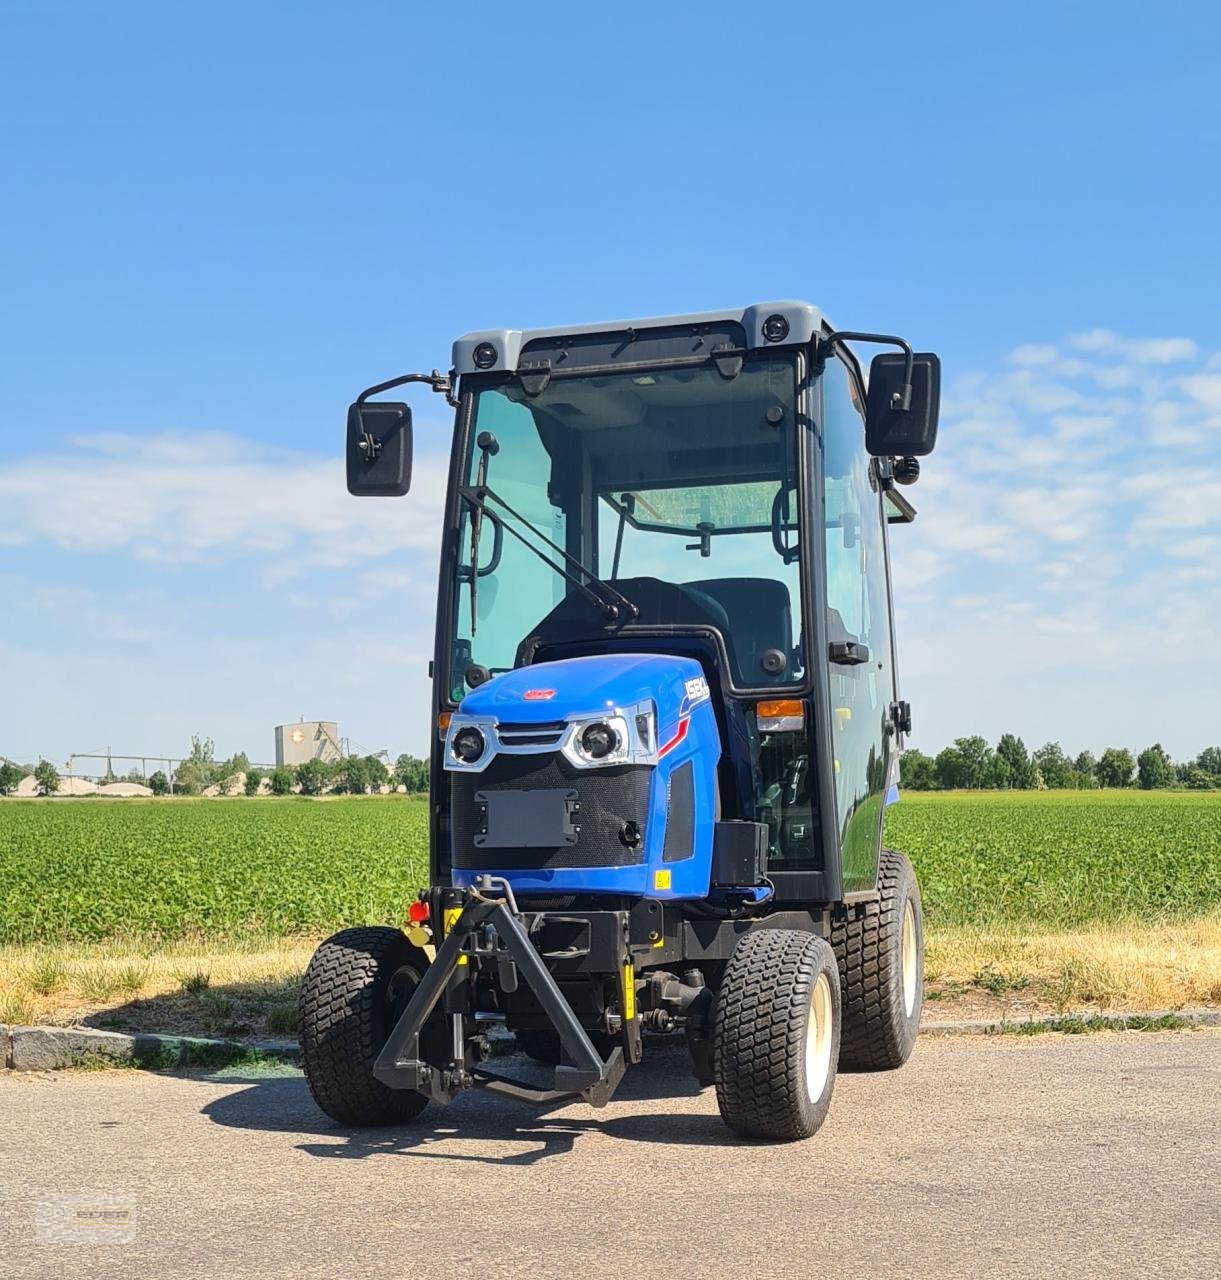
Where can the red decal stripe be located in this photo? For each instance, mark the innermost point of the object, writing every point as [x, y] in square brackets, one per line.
[679, 734]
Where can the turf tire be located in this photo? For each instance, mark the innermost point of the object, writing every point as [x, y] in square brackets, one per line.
[879, 1030]
[356, 985]
[759, 1052]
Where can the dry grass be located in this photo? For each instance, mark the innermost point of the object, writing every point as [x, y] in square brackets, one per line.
[1116, 966]
[249, 988]
[238, 989]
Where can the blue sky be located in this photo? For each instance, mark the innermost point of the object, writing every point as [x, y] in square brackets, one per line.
[221, 221]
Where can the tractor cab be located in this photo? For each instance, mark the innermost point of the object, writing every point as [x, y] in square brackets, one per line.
[666, 714]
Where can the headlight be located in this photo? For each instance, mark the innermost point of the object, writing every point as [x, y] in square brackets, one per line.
[609, 739]
[468, 744]
[598, 740]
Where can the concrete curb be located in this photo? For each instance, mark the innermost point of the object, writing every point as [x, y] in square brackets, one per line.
[54, 1048]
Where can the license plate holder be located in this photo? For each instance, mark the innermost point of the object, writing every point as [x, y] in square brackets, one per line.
[539, 819]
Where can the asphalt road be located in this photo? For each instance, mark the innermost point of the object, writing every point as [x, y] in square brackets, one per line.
[1080, 1156]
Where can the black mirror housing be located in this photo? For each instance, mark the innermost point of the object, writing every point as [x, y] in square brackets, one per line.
[893, 432]
[379, 449]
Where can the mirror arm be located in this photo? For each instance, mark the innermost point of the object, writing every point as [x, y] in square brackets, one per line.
[439, 382]
[901, 401]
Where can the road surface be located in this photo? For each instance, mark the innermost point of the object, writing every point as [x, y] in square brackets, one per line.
[1085, 1156]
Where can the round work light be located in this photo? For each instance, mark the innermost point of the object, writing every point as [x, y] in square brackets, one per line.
[485, 355]
[775, 328]
[598, 741]
[468, 744]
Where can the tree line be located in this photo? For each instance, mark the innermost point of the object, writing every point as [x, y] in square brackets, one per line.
[971, 764]
[200, 771]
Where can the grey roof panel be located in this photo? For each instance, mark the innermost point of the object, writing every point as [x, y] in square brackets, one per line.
[804, 321]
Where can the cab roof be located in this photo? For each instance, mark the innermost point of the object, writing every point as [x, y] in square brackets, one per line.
[745, 324]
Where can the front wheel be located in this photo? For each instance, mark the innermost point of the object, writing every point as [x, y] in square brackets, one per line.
[355, 989]
[776, 1035]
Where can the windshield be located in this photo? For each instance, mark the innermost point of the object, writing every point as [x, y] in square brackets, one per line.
[674, 489]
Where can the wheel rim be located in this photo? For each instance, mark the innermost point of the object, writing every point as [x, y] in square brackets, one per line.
[818, 1037]
[910, 958]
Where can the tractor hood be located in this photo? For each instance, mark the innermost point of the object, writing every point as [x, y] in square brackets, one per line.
[572, 687]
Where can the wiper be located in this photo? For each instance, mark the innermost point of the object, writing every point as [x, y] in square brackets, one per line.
[609, 599]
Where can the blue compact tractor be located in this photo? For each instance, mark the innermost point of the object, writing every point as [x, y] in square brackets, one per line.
[665, 724]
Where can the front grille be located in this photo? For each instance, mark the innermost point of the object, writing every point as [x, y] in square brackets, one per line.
[530, 735]
[608, 799]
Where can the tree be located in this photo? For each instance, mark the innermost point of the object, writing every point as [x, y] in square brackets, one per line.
[253, 778]
[159, 784]
[189, 779]
[134, 775]
[281, 782]
[1085, 763]
[47, 777]
[411, 772]
[965, 764]
[1116, 767]
[352, 776]
[1054, 765]
[375, 767]
[1197, 780]
[1154, 768]
[997, 773]
[917, 772]
[1012, 750]
[1209, 761]
[10, 777]
[312, 777]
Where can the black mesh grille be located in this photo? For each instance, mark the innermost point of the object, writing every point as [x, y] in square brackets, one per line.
[680, 815]
[608, 799]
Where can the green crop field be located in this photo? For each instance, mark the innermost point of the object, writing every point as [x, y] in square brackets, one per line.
[78, 870]
[1062, 858]
[89, 869]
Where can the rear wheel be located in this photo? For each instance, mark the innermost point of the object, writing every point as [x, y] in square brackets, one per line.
[356, 986]
[776, 1035]
[881, 966]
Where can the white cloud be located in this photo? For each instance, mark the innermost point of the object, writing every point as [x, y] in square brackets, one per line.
[175, 498]
[1137, 350]
[1204, 389]
[1033, 354]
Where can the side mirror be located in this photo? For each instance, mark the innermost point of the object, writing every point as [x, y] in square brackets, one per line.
[890, 430]
[379, 449]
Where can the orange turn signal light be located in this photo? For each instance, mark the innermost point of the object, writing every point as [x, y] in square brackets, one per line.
[777, 708]
[443, 719]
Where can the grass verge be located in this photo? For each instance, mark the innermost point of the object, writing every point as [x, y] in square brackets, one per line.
[238, 989]
[247, 988]
[1013, 970]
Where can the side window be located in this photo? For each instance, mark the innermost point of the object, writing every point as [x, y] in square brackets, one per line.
[858, 608]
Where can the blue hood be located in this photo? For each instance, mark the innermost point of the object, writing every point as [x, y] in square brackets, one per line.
[551, 691]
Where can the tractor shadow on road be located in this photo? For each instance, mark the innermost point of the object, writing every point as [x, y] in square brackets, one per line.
[282, 1104]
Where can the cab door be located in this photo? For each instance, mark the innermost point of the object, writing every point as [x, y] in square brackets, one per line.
[862, 679]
